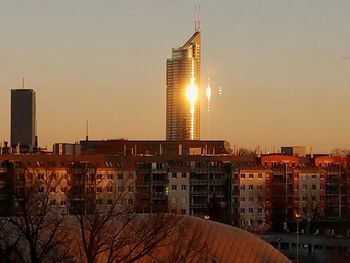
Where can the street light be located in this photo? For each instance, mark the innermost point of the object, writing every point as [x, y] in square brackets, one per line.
[297, 216]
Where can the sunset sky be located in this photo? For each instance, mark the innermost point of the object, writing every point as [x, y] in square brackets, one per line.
[284, 68]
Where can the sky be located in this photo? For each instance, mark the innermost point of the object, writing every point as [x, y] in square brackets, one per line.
[283, 67]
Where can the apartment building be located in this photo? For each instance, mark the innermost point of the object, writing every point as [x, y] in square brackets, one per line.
[255, 207]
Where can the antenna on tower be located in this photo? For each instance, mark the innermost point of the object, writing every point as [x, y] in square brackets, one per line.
[87, 130]
[197, 23]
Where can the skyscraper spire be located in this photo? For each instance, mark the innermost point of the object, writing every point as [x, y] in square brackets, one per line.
[197, 23]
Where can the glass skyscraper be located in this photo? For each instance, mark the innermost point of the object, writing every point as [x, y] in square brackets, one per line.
[183, 72]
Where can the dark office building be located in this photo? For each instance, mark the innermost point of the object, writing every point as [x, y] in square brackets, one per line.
[23, 118]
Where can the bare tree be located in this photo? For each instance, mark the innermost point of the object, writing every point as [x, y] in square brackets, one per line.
[263, 203]
[38, 231]
[189, 243]
[9, 243]
[309, 210]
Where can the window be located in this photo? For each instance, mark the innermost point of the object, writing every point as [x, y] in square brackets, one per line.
[250, 210]
[304, 198]
[242, 199]
[314, 176]
[242, 210]
[183, 175]
[259, 222]
[131, 189]
[173, 187]
[251, 176]
[242, 176]
[52, 202]
[174, 175]
[40, 189]
[251, 199]
[120, 176]
[313, 187]
[296, 187]
[110, 176]
[130, 201]
[305, 187]
[120, 189]
[63, 202]
[183, 211]
[259, 175]
[259, 210]
[131, 176]
[109, 189]
[322, 187]
[260, 187]
[98, 189]
[65, 176]
[53, 190]
[99, 201]
[242, 187]
[313, 198]
[183, 187]
[109, 202]
[99, 176]
[251, 187]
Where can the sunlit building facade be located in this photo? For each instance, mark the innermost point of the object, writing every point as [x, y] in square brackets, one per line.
[182, 94]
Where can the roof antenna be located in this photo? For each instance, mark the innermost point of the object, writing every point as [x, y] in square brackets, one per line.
[197, 24]
[87, 130]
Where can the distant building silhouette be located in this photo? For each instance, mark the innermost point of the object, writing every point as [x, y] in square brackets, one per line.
[23, 112]
[184, 64]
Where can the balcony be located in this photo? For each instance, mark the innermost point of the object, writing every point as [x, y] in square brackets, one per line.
[160, 171]
[218, 182]
[198, 181]
[160, 182]
[192, 205]
[143, 184]
[199, 193]
[159, 196]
